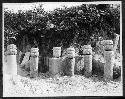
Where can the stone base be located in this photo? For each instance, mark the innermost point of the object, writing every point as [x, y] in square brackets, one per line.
[33, 66]
[54, 66]
[79, 64]
[11, 67]
[69, 67]
[109, 63]
[88, 65]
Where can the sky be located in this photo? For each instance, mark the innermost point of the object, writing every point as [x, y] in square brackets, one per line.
[48, 6]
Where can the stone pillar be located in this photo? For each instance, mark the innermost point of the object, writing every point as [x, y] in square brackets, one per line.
[109, 58]
[70, 62]
[11, 59]
[56, 52]
[116, 40]
[55, 61]
[54, 66]
[79, 64]
[34, 62]
[87, 52]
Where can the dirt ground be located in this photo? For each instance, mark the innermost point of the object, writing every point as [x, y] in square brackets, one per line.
[44, 85]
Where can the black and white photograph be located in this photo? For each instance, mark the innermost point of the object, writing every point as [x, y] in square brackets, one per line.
[62, 49]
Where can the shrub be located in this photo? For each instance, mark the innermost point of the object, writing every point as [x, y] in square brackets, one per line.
[64, 26]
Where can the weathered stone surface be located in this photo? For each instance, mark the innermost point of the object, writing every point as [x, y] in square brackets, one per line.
[11, 59]
[11, 64]
[69, 66]
[11, 49]
[70, 52]
[87, 49]
[79, 64]
[87, 52]
[34, 59]
[78, 68]
[98, 65]
[88, 65]
[33, 67]
[34, 52]
[116, 43]
[109, 63]
[107, 42]
[63, 64]
[108, 45]
[11, 46]
[56, 51]
[54, 65]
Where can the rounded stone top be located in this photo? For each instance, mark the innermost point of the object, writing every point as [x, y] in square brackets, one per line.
[108, 45]
[70, 52]
[87, 47]
[11, 49]
[34, 49]
[56, 51]
[107, 42]
[34, 52]
[11, 46]
[56, 48]
[87, 51]
[70, 49]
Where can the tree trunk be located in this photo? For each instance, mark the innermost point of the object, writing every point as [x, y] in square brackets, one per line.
[75, 37]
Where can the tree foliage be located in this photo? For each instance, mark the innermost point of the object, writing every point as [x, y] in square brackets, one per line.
[64, 26]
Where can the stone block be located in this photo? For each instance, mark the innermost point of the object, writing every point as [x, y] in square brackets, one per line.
[54, 65]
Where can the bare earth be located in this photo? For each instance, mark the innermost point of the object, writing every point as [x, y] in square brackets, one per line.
[19, 86]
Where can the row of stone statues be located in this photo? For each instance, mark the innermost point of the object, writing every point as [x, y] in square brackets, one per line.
[55, 63]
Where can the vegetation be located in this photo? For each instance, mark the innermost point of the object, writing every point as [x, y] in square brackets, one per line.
[76, 26]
